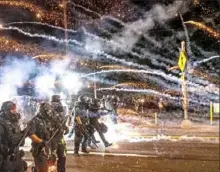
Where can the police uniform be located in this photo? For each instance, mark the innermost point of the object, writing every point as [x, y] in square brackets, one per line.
[10, 136]
[80, 110]
[94, 122]
[58, 143]
[41, 130]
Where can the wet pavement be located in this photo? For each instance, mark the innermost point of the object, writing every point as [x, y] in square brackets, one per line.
[151, 156]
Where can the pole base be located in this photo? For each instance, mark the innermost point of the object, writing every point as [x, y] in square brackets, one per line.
[186, 124]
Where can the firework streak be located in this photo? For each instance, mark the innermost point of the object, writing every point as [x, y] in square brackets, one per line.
[205, 28]
[43, 24]
[35, 35]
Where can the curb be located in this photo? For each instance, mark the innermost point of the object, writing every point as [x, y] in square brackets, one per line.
[176, 136]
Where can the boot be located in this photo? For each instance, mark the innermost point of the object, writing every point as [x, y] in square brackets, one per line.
[92, 146]
[107, 144]
[76, 153]
[84, 150]
[96, 141]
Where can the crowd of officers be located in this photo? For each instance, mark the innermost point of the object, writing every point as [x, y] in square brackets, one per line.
[46, 130]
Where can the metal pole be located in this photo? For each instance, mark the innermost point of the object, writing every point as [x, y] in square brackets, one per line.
[95, 91]
[184, 87]
[155, 118]
[65, 22]
[211, 112]
[142, 107]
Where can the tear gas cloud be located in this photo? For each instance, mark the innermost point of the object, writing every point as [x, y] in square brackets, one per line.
[15, 73]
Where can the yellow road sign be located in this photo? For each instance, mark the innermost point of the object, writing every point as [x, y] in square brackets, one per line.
[216, 107]
[182, 61]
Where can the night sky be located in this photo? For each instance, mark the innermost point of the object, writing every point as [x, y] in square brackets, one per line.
[139, 34]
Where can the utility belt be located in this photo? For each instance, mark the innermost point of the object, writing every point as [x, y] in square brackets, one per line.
[12, 163]
[37, 150]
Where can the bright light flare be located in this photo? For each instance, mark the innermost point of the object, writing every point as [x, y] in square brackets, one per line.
[71, 82]
[45, 85]
[38, 15]
[52, 168]
[117, 132]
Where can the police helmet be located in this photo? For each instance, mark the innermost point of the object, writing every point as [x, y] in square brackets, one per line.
[9, 110]
[95, 100]
[8, 106]
[83, 98]
[55, 98]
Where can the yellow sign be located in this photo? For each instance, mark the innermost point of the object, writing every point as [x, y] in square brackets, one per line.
[182, 61]
[216, 107]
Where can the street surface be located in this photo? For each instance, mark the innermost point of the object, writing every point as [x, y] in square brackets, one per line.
[151, 156]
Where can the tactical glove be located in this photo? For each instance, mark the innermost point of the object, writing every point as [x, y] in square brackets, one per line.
[66, 130]
[44, 143]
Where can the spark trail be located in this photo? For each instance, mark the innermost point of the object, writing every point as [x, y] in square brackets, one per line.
[35, 35]
[38, 11]
[85, 9]
[133, 84]
[48, 56]
[205, 60]
[153, 72]
[149, 91]
[43, 24]
[112, 67]
[10, 45]
[205, 28]
[138, 91]
[25, 5]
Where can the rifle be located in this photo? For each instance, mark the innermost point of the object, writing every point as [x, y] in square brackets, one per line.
[86, 132]
[16, 152]
[54, 134]
[62, 124]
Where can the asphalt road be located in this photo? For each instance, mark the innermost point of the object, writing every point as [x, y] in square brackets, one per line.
[154, 156]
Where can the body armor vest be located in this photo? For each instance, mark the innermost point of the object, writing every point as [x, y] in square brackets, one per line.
[11, 131]
[43, 128]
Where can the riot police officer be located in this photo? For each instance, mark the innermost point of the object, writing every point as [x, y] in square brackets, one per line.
[10, 137]
[41, 130]
[94, 116]
[81, 121]
[58, 144]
